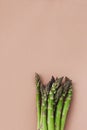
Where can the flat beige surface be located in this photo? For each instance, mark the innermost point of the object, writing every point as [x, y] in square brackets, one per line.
[48, 37]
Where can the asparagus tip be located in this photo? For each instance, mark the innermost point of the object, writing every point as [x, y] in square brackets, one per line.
[67, 79]
[37, 77]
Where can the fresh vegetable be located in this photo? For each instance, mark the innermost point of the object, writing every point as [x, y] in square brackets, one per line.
[60, 104]
[52, 101]
[38, 99]
[66, 108]
[50, 116]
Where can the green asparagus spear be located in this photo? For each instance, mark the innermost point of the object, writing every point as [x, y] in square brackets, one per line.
[55, 85]
[44, 93]
[42, 87]
[38, 96]
[57, 96]
[44, 112]
[58, 113]
[66, 108]
[49, 85]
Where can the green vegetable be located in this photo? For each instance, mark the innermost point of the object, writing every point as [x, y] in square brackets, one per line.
[54, 87]
[66, 108]
[44, 93]
[64, 89]
[58, 113]
[44, 112]
[52, 102]
[38, 97]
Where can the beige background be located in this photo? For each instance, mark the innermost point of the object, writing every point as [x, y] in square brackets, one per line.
[48, 37]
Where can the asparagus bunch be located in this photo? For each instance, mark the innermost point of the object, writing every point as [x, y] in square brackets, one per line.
[53, 102]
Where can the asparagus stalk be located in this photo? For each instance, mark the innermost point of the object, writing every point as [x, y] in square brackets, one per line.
[66, 108]
[58, 113]
[38, 97]
[44, 112]
[57, 96]
[64, 88]
[42, 87]
[44, 93]
[54, 87]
